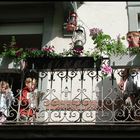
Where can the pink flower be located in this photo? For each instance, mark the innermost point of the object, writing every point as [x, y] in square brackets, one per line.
[48, 49]
[106, 69]
[18, 53]
[32, 49]
[94, 32]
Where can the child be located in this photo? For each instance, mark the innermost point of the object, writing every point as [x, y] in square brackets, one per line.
[28, 100]
[6, 97]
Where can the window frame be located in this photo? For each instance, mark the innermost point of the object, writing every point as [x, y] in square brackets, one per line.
[133, 9]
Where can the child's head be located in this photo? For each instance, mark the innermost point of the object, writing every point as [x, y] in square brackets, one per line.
[4, 86]
[30, 83]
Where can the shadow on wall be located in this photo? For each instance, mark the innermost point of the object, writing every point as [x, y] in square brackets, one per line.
[107, 92]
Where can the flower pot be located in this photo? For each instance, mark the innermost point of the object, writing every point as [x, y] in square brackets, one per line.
[61, 63]
[8, 63]
[127, 60]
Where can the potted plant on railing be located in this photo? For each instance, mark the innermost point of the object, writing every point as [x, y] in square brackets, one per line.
[11, 55]
[103, 45]
[48, 58]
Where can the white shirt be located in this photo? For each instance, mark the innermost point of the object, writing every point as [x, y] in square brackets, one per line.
[5, 102]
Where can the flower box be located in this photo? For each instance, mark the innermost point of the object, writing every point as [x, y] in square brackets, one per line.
[62, 63]
[127, 60]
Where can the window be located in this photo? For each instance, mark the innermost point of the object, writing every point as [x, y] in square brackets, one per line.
[31, 23]
[28, 34]
[133, 16]
[138, 21]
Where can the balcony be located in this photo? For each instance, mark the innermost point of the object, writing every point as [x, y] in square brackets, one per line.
[74, 100]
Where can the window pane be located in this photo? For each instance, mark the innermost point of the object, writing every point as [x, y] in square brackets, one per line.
[21, 28]
[138, 21]
[28, 34]
[25, 41]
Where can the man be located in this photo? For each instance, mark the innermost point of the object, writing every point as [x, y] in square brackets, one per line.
[130, 80]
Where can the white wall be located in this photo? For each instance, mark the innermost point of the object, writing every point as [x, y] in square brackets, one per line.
[111, 17]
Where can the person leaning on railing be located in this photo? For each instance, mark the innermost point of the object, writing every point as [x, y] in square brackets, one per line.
[6, 98]
[130, 86]
[28, 106]
[130, 81]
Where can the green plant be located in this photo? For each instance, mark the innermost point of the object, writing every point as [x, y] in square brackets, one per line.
[105, 45]
[45, 51]
[12, 50]
[134, 50]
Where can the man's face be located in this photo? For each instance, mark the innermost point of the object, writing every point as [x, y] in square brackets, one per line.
[133, 39]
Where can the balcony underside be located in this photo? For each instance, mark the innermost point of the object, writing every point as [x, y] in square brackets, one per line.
[70, 131]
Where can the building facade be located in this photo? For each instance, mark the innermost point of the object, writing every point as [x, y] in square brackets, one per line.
[71, 93]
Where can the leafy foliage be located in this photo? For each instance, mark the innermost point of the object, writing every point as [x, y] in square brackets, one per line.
[103, 44]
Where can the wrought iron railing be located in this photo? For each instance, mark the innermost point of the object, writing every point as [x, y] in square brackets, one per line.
[72, 90]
